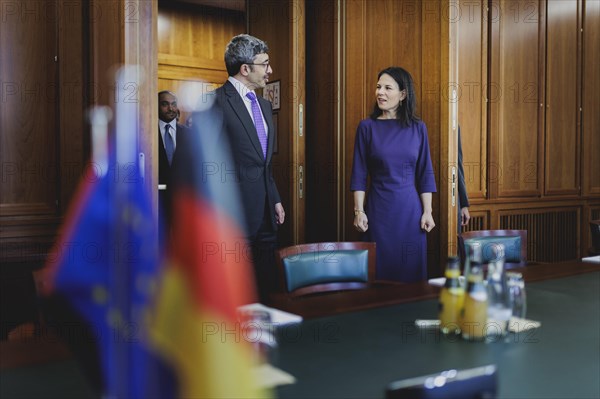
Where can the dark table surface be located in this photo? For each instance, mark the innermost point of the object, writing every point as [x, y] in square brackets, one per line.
[357, 353]
[353, 344]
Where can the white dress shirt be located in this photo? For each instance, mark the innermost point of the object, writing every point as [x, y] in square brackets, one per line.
[243, 90]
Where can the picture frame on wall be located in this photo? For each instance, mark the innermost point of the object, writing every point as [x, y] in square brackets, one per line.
[272, 92]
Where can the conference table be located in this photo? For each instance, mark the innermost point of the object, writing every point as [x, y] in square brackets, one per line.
[352, 344]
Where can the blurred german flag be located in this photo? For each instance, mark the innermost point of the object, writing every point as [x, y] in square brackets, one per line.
[208, 274]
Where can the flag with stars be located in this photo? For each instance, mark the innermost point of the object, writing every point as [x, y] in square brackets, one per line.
[101, 279]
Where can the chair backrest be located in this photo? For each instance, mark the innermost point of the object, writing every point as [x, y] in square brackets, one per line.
[595, 234]
[514, 241]
[326, 266]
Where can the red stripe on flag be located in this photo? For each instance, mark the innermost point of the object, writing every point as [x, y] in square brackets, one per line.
[213, 254]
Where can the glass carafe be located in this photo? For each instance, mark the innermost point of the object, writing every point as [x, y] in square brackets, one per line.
[499, 305]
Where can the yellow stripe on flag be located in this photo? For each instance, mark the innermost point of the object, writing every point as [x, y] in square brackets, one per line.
[209, 352]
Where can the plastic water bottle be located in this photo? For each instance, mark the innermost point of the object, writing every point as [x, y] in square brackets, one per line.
[452, 298]
[474, 314]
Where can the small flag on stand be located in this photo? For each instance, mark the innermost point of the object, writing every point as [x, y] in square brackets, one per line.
[141, 326]
[100, 279]
[207, 275]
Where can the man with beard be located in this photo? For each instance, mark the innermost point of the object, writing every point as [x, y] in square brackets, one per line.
[249, 125]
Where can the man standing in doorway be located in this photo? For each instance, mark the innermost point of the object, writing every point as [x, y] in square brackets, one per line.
[170, 133]
[249, 125]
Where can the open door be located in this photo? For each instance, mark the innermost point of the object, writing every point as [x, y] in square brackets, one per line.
[281, 24]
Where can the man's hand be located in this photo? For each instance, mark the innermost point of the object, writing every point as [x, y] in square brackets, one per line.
[279, 213]
[464, 216]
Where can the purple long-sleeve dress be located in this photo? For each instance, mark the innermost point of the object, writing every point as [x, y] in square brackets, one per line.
[398, 161]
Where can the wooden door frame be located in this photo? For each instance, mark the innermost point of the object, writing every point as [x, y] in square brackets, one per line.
[449, 136]
[291, 119]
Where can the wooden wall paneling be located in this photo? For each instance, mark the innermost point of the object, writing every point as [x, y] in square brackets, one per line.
[140, 38]
[29, 143]
[29, 104]
[449, 196]
[106, 50]
[562, 102]
[515, 94]
[553, 234]
[434, 108]
[297, 32]
[322, 135]
[402, 21]
[472, 102]
[124, 33]
[480, 220]
[191, 44]
[73, 100]
[189, 30]
[357, 103]
[591, 98]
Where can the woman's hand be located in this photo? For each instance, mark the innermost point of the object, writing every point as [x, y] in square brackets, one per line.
[427, 222]
[361, 222]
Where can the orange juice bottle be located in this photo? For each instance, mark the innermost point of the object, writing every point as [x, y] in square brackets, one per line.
[474, 314]
[452, 298]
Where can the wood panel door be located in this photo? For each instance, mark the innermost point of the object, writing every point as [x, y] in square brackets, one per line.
[42, 140]
[516, 96]
[281, 24]
[562, 99]
[591, 98]
[472, 98]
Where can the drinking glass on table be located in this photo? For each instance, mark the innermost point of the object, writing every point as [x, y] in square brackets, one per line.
[499, 306]
[258, 330]
[518, 299]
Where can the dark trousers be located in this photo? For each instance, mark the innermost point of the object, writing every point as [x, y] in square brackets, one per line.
[263, 244]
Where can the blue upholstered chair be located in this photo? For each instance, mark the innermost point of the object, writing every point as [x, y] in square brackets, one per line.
[326, 266]
[514, 241]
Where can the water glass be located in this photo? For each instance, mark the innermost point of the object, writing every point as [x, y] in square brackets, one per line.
[257, 329]
[516, 288]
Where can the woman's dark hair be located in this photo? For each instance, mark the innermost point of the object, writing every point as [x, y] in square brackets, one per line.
[406, 113]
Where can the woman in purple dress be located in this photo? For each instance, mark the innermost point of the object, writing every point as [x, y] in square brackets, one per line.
[392, 149]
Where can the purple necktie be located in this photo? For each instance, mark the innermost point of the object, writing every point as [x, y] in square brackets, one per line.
[258, 122]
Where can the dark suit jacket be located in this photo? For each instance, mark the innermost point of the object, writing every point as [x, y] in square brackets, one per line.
[463, 199]
[164, 170]
[254, 173]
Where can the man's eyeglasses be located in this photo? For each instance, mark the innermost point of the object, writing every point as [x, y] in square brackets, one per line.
[265, 64]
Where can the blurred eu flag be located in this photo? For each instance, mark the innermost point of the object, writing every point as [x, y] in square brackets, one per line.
[101, 279]
[101, 276]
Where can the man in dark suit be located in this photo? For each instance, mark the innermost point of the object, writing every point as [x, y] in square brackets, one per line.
[170, 134]
[249, 125]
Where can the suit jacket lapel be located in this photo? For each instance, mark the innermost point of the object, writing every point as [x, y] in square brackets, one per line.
[238, 106]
